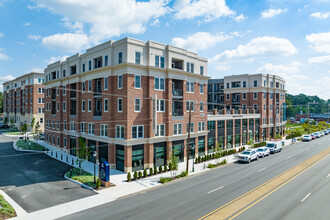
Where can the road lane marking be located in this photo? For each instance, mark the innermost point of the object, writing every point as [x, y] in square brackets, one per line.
[289, 157]
[307, 149]
[235, 207]
[328, 175]
[305, 197]
[215, 190]
[262, 169]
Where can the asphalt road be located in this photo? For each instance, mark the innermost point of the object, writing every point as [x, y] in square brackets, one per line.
[35, 181]
[196, 196]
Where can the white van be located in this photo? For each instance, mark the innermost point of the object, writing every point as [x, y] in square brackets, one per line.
[274, 146]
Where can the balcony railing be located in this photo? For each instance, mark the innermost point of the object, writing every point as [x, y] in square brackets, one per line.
[53, 95]
[97, 91]
[177, 92]
[73, 94]
[53, 111]
[97, 113]
[177, 112]
[73, 111]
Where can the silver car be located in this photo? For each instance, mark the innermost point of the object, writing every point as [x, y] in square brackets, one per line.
[248, 156]
[263, 151]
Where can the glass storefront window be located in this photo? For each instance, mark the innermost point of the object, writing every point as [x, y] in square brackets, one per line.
[237, 140]
[229, 141]
[221, 125]
[120, 156]
[229, 124]
[210, 145]
[192, 148]
[159, 154]
[201, 146]
[177, 150]
[211, 125]
[137, 157]
[221, 142]
[237, 123]
[245, 123]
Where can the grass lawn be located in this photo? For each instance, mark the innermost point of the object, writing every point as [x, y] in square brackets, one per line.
[82, 177]
[25, 145]
[13, 133]
[7, 211]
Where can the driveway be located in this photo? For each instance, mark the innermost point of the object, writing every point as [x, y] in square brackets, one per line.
[34, 180]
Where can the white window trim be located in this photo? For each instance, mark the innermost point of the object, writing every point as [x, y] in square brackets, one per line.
[106, 79]
[243, 96]
[122, 79]
[89, 110]
[255, 98]
[121, 126]
[102, 127]
[135, 105]
[137, 131]
[64, 104]
[135, 82]
[83, 101]
[121, 104]
[158, 105]
[104, 105]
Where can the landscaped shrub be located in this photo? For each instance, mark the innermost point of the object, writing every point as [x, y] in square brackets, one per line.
[160, 169]
[259, 144]
[196, 160]
[135, 175]
[183, 174]
[140, 174]
[170, 166]
[199, 159]
[155, 170]
[165, 179]
[150, 171]
[165, 168]
[129, 177]
[145, 173]
[98, 183]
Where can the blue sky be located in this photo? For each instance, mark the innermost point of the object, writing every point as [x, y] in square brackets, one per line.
[290, 38]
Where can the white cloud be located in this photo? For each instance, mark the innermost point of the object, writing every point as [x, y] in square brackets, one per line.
[240, 17]
[222, 66]
[99, 20]
[322, 59]
[3, 55]
[1, 34]
[270, 13]
[210, 9]
[34, 37]
[66, 42]
[321, 15]
[202, 40]
[319, 42]
[280, 69]
[260, 47]
[155, 22]
[27, 24]
[6, 78]
[35, 70]
[55, 59]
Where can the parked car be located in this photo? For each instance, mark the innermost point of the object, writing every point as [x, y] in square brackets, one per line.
[318, 134]
[274, 147]
[322, 134]
[326, 132]
[307, 138]
[263, 151]
[313, 136]
[4, 127]
[248, 156]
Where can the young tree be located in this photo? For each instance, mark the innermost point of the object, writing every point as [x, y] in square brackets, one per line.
[24, 128]
[82, 153]
[174, 163]
[33, 121]
[12, 123]
[37, 132]
[5, 120]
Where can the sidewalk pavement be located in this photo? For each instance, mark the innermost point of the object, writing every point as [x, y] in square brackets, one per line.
[122, 188]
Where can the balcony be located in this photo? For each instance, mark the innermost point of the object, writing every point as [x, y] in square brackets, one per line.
[53, 95]
[73, 111]
[177, 93]
[73, 94]
[177, 112]
[236, 101]
[53, 111]
[98, 92]
[97, 113]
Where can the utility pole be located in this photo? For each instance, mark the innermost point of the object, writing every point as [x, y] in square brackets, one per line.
[314, 103]
[188, 144]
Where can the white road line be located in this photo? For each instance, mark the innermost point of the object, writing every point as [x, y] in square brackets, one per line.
[289, 157]
[262, 169]
[328, 175]
[307, 149]
[215, 189]
[305, 197]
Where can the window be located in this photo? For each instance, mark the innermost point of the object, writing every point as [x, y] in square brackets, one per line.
[202, 70]
[244, 107]
[191, 127]
[159, 61]
[160, 130]
[120, 57]
[227, 96]
[120, 105]
[90, 65]
[255, 107]
[137, 82]
[201, 106]
[64, 125]
[159, 84]
[137, 131]
[63, 73]
[190, 87]
[255, 83]
[83, 127]
[201, 88]
[58, 141]
[264, 95]
[271, 95]
[190, 67]
[57, 106]
[41, 100]
[255, 95]
[244, 84]
[84, 67]
[83, 105]
[83, 86]
[106, 81]
[120, 131]
[39, 80]
[177, 129]
[58, 124]
[271, 84]
[90, 85]
[160, 105]
[189, 105]
[40, 91]
[31, 90]
[91, 128]
[271, 107]
[264, 107]
[105, 105]
[41, 120]
[244, 96]
[64, 90]
[120, 82]
[104, 130]
[227, 85]
[106, 60]
[64, 106]
[72, 125]
[201, 126]
[89, 105]
[64, 142]
[137, 105]
[264, 83]
[138, 57]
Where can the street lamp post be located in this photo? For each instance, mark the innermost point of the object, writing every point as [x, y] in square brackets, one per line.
[94, 155]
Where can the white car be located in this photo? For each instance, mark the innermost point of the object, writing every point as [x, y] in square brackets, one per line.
[263, 151]
[248, 156]
[318, 134]
[307, 138]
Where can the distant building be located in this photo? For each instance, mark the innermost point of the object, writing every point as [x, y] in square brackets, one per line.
[23, 99]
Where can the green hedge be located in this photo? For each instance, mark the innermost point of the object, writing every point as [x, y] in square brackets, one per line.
[217, 155]
[295, 134]
[259, 144]
[217, 164]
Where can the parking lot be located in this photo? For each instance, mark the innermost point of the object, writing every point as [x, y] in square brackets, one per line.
[34, 180]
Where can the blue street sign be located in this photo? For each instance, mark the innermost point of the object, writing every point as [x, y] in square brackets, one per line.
[104, 171]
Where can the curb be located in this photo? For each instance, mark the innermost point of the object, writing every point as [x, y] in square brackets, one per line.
[18, 209]
[18, 149]
[81, 184]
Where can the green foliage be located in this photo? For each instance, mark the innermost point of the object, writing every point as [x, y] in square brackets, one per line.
[160, 169]
[145, 173]
[155, 170]
[33, 121]
[12, 123]
[217, 164]
[170, 166]
[24, 128]
[98, 183]
[259, 144]
[82, 153]
[5, 120]
[135, 175]
[129, 177]
[140, 174]
[165, 179]
[7, 211]
[183, 174]
[151, 171]
[165, 168]
[295, 134]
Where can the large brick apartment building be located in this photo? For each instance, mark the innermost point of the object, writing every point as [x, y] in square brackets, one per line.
[265, 93]
[106, 96]
[23, 99]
